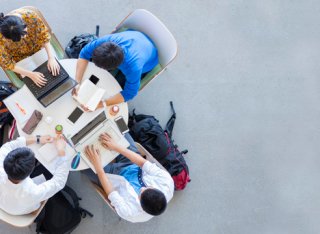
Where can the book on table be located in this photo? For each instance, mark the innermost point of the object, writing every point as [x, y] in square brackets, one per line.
[89, 95]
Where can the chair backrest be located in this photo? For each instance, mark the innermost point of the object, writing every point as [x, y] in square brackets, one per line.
[21, 220]
[103, 195]
[58, 49]
[144, 21]
[38, 12]
[148, 156]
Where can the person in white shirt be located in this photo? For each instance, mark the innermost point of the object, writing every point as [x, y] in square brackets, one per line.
[19, 195]
[137, 188]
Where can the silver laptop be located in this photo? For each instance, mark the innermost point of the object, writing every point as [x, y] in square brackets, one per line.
[89, 135]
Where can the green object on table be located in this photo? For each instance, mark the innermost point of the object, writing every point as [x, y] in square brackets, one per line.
[59, 129]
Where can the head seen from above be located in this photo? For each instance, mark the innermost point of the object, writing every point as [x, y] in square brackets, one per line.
[19, 164]
[12, 27]
[108, 56]
[153, 201]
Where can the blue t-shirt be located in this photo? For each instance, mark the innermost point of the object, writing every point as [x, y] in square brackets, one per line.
[140, 56]
[131, 173]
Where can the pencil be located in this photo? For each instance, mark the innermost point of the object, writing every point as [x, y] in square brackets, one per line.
[21, 109]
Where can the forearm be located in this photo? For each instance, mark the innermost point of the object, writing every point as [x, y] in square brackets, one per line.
[132, 156]
[58, 181]
[48, 50]
[31, 140]
[104, 181]
[81, 67]
[21, 71]
[116, 99]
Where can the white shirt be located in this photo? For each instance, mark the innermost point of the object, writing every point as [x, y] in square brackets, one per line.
[25, 197]
[126, 201]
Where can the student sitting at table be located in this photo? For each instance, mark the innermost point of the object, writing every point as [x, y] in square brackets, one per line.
[139, 189]
[23, 33]
[19, 194]
[132, 52]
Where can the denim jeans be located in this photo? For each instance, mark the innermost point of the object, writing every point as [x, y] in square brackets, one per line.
[116, 167]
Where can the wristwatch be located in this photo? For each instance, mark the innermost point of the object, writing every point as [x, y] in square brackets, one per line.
[38, 139]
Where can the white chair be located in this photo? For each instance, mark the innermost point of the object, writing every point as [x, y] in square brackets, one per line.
[144, 21]
[144, 153]
[103, 195]
[21, 220]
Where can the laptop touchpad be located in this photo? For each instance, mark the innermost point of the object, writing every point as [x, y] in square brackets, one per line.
[58, 92]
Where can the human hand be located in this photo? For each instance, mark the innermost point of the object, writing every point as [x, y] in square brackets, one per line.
[38, 78]
[46, 139]
[108, 143]
[93, 155]
[53, 66]
[100, 105]
[75, 90]
[60, 144]
[85, 108]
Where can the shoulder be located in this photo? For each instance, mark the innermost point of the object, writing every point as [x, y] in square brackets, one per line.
[29, 16]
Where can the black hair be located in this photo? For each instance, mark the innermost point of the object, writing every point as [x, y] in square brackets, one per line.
[153, 201]
[107, 56]
[19, 163]
[12, 27]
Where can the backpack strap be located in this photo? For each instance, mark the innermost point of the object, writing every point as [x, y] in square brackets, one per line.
[73, 195]
[97, 30]
[171, 121]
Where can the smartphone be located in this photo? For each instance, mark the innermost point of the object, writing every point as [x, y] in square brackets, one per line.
[121, 125]
[94, 79]
[75, 115]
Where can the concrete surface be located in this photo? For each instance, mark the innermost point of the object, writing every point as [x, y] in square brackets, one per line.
[246, 90]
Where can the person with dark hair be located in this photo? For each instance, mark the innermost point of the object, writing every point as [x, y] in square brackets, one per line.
[132, 52]
[137, 188]
[23, 33]
[19, 194]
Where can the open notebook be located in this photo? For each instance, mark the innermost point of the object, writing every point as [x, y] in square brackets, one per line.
[48, 156]
[89, 95]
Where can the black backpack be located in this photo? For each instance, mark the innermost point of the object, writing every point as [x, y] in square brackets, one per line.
[76, 44]
[146, 130]
[62, 213]
[6, 117]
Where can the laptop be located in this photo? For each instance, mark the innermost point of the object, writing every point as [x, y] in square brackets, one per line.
[89, 135]
[55, 87]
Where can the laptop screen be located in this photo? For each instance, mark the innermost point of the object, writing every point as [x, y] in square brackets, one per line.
[88, 128]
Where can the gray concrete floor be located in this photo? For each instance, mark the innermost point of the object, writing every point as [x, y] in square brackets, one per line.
[246, 89]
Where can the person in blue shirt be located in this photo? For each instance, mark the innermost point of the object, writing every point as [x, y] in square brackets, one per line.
[132, 52]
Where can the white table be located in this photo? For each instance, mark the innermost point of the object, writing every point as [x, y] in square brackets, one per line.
[62, 108]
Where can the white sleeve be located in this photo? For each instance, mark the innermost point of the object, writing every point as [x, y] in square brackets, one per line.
[56, 183]
[120, 205]
[153, 170]
[9, 146]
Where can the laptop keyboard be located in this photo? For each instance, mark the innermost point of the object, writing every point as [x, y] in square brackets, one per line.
[52, 82]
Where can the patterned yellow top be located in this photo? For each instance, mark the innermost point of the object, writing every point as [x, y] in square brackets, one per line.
[37, 35]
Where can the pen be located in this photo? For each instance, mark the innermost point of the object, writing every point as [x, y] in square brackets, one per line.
[21, 109]
[68, 142]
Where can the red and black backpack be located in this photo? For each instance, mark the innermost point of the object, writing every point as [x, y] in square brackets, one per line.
[146, 130]
[6, 117]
